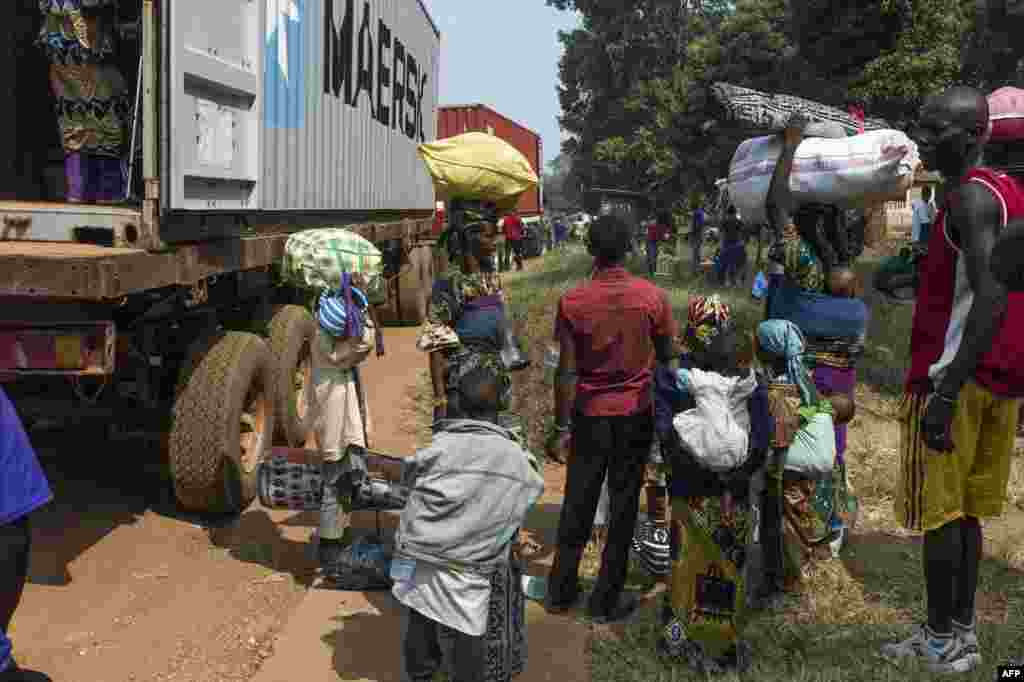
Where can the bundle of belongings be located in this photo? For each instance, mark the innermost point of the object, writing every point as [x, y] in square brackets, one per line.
[765, 113]
[712, 419]
[835, 328]
[317, 259]
[849, 172]
[478, 166]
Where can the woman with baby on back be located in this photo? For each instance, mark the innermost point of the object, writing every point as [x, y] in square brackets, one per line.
[713, 423]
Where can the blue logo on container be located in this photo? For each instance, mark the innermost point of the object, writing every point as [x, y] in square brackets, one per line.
[284, 81]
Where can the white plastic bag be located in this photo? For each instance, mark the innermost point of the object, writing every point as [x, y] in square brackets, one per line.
[717, 431]
[852, 172]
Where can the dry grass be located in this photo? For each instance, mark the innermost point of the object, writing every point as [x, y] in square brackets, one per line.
[848, 606]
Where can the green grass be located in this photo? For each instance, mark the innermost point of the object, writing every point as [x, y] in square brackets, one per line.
[849, 607]
[886, 357]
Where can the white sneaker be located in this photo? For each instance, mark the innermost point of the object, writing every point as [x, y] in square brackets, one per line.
[934, 654]
[969, 641]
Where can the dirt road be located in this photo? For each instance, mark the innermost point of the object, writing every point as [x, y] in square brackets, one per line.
[124, 588]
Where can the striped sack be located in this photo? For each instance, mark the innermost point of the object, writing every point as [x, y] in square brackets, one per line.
[852, 172]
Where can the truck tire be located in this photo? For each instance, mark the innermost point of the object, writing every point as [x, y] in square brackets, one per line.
[414, 286]
[291, 331]
[227, 379]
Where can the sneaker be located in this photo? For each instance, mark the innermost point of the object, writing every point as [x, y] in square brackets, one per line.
[969, 640]
[935, 654]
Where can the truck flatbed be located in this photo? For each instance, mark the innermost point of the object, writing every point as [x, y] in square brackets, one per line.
[87, 272]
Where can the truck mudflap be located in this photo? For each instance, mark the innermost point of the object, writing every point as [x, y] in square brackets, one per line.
[57, 348]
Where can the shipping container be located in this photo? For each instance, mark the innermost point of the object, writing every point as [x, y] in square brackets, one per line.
[249, 120]
[248, 113]
[458, 119]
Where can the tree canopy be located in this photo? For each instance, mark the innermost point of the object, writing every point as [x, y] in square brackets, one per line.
[635, 75]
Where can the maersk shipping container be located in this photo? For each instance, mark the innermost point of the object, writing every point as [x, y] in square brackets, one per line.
[456, 120]
[252, 112]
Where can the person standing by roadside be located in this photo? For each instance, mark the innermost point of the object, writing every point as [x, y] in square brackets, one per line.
[457, 569]
[610, 331]
[923, 214]
[561, 231]
[341, 418]
[512, 225]
[657, 231]
[959, 416]
[23, 489]
[697, 238]
[733, 254]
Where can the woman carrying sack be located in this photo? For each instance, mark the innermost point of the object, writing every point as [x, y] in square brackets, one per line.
[467, 323]
[345, 336]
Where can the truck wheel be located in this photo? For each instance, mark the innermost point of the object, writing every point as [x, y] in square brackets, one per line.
[291, 331]
[223, 422]
[414, 286]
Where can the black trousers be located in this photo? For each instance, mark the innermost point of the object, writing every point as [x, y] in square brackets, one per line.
[616, 447]
[427, 645]
[15, 540]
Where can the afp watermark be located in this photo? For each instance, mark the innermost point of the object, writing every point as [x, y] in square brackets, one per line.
[1010, 672]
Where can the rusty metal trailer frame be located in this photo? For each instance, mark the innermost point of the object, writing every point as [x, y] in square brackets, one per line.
[98, 273]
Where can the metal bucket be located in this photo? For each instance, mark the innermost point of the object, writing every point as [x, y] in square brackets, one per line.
[291, 478]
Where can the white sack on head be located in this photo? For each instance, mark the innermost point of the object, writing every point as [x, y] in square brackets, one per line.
[851, 172]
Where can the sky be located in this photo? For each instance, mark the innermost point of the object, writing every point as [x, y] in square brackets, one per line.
[504, 53]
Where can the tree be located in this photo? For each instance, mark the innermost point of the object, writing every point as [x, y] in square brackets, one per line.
[635, 76]
[559, 193]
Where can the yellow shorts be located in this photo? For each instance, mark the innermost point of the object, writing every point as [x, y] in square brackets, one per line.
[935, 488]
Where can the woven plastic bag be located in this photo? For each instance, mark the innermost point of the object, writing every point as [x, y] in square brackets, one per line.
[317, 259]
[852, 172]
[478, 166]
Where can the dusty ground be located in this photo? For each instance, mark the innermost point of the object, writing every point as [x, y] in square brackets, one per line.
[123, 587]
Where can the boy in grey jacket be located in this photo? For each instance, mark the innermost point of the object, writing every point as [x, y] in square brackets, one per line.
[469, 492]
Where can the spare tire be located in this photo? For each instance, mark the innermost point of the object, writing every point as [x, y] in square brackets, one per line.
[292, 330]
[223, 422]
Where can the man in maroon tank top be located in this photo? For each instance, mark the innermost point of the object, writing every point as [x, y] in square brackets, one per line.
[959, 416]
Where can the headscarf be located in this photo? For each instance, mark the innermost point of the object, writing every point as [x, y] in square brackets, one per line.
[707, 316]
[784, 339]
[464, 217]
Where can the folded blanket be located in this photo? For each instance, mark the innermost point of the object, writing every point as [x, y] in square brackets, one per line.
[821, 316]
[753, 110]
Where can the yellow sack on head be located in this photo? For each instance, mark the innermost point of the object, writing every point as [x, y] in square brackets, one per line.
[478, 166]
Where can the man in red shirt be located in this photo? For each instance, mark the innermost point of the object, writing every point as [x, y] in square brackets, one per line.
[657, 232]
[610, 331]
[513, 228]
[959, 417]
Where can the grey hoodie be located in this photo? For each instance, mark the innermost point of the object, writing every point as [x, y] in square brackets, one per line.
[469, 492]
